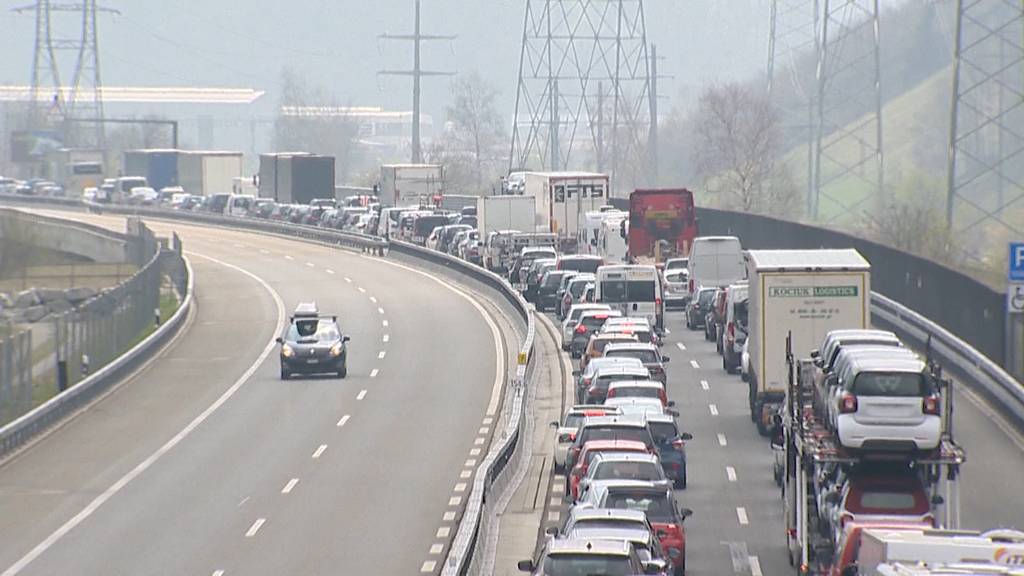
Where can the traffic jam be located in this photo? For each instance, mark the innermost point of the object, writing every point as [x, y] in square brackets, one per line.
[857, 421]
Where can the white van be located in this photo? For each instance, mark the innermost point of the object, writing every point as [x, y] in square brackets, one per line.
[715, 262]
[238, 205]
[633, 289]
[612, 244]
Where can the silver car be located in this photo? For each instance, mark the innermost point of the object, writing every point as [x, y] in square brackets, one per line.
[573, 318]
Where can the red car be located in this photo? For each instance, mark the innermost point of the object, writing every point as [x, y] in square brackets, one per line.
[882, 498]
[587, 455]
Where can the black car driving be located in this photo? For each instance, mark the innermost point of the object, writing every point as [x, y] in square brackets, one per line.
[313, 344]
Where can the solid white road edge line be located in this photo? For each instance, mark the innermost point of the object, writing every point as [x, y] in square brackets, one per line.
[134, 473]
[499, 364]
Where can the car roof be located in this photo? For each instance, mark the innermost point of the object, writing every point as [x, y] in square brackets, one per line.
[613, 336]
[589, 407]
[625, 484]
[633, 320]
[614, 445]
[630, 346]
[631, 534]
[610, 313]
[637, 384]
[306, 310]
[614, 370]
[603, 547]
[626, 457]
[618, 420]
[882, 359]
[584, 513]
[620, 401]
[602, 362]
[661, 418]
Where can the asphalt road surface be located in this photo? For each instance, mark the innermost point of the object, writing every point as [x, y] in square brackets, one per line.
[206, 463]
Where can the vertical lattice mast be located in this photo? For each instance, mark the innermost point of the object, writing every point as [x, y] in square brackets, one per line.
[583, 89]
[795, 31]
[848, 160]
[986, 141]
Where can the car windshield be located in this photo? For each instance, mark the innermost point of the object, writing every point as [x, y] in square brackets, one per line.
[625, 470]
[619, 433]
[602, 382]
[312, 330]
[885, 502]
[663, 432]
[552, 279]
[645, 356]
[587, 565]
[677, 276]
[627, 291]
[657, 506]
[573, 420]
[705, 297]
[637, 392]
[900, 384]
[577, 288]
[606, 523]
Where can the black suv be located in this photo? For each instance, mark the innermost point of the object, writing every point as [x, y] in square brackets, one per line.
[313, 344]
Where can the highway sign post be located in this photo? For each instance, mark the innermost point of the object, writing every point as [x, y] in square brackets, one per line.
[1015, 298]
[1016, 268]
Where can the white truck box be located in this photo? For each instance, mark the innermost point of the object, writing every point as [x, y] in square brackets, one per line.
[404, 184]
[495, 213]
[935, 547]
[805, 293]
[564, 198]
[206, 173]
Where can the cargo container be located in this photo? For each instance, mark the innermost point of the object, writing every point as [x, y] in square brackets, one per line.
[208, 172]
[76, 169]
[495, 213]
[158, 167]
[409, 184]
[806, 293]
[563, 199]
[296, 177]
[662, 224]
[936, 547]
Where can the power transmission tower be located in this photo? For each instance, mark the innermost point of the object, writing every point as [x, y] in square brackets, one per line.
[848, 157]
[795, 32]
[571, 52]
[986, 137]
[83, 99]
[417, 73]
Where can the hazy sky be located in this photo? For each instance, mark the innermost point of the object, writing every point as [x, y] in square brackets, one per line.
[334, 43]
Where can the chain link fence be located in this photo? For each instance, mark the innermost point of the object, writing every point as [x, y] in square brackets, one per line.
[40, 360]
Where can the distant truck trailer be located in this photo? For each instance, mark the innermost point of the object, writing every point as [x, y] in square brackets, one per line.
[563, 200]
[158, 166]
[208, 172]
[296, 177]
[410, 184]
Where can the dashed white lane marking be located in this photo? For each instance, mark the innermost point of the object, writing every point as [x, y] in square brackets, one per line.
[553, 516]
[448, 516]
[386, 338]
[436, 549]
[681, 346]
[694, 364]
[287, 257]
[310, 265]
[218, 573]
[474, 452]
[319, 451]
[556, 501]
[343, 420]
[721, 440]
[704, 385]
[382, 354]
[479, 441]
[373, 299]
[488, 420]
[380, 310]
[363, 290]
[289, 486]
[255, 527]
[384, 323]
[329, 271]
[347, 279]
[483, 430]
[741, 515]
[713, 409]
[444, 531]
[667, 331]
[730, 473]
[428, 566]
[470, 463]
[373, 373]
[460, 487]
[455, 500]
[465, 474]
[361, 395]
[264, 251]
[117, 486]
[755, 566]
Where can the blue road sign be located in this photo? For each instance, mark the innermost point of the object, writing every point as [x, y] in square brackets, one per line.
[1016, 262]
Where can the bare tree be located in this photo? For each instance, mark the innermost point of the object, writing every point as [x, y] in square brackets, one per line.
[737, 148]
[309, 120]
[914, 221]
[475, 133]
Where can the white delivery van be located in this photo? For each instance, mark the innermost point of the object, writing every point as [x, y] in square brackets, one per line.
[806, 293]
[239, 205]
[633, 289]
[613, 239]
[715, 262]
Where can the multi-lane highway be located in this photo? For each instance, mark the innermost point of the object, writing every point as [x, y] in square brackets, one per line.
[737, 525]
[205, 462]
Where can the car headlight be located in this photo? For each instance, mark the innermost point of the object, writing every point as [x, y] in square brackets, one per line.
[287, 351]
[337, 349]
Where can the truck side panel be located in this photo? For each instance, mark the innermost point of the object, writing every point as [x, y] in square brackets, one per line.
[312, 177]
[505, 213]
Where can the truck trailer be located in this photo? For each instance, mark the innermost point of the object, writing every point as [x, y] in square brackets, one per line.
[494, 213]
[208, 172]
[563, 199]
[296, 177]
[158, 166]
[804, 292]
[410, 184]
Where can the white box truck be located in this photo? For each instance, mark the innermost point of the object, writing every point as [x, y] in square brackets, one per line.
[880, 546]
[410, 184]
[563, 200]
[805, 293]
[494, 213]
[208, 172]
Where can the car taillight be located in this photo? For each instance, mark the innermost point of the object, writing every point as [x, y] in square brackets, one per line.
[563, 438]
[657, 302]
[581, 329]
[848, 404]
[732, 331]
[931, 405]
[691, 286]
[611, 393]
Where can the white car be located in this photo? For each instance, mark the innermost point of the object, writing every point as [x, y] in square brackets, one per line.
[565, 432]
[745, 361]
[885, 400]
[636, 405]
[573, 318]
